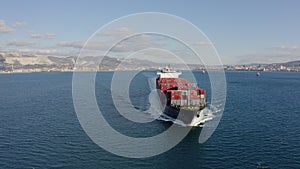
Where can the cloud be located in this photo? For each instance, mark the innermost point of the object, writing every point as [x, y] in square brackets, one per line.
[44, 52]
[19, 24]
[72, 44]
[129, 44]
[269, 58]
[21, 43]
[40, 36]
[23, 51]
[203, 43]
[287, 48]
[275, 54]
[36, 35]
[117, 32]
[50, 35]
[52, 52]
[90, 45]
[5, 28]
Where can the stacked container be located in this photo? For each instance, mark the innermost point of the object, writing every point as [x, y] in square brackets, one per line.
[186, 97]
[180, 92]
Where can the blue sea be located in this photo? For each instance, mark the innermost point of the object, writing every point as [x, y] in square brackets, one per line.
[260, 126]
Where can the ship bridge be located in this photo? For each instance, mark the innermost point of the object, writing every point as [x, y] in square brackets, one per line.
[167, 72]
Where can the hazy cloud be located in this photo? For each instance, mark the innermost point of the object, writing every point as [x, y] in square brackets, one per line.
[129, 44]
[50, 35]
[117, 32]
[35, 35]
[5, 28]
[203, 43]
[23, 51]
[276, 54]
[19, 24]
[52, 52]
[269, 58]
[72, 44]
[21, 43]
[40, 36]
[45, 52]
[287, 48]
[90, 46]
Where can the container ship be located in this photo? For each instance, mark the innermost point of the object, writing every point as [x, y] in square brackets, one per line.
[183, 100]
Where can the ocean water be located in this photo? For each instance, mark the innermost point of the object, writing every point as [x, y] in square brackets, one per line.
[260, 127]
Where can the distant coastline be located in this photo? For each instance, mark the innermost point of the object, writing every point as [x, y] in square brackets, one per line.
[226, 70]
[19, 63]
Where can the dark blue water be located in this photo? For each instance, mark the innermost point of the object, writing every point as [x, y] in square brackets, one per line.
[260, 127]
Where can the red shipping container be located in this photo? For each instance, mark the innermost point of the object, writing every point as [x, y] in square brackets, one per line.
[177, 93]
[195, 97]
[202, 91]
[177, 97]
[193, 93]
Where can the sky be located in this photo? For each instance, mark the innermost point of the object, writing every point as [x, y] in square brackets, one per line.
[241, 31]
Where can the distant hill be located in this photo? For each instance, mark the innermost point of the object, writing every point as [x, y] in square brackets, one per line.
[27, 63]
[17, 61]
[21, 61]
[257, 64]
[288, 64]
[9, 60]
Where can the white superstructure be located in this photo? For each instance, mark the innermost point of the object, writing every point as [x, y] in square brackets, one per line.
[167, 72]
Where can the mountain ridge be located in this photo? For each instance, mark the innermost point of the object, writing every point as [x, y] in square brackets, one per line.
[14, 61]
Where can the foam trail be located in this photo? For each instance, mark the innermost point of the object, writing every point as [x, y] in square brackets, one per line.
[211, 125]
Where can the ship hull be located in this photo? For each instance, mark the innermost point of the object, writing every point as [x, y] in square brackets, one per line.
[188, 117]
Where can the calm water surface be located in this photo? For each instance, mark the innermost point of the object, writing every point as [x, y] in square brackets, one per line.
[260, 127]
